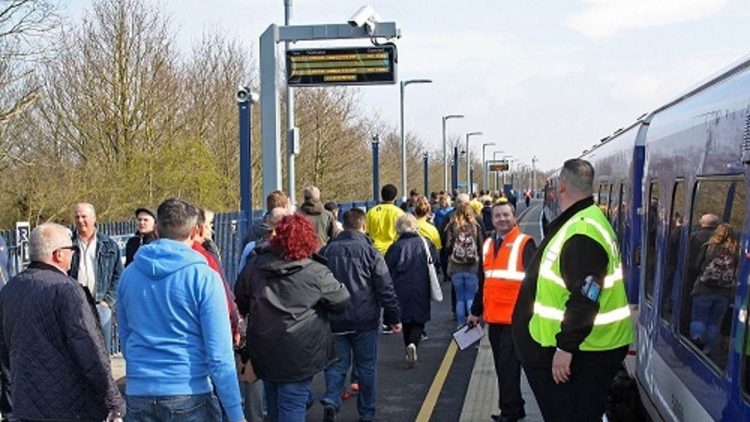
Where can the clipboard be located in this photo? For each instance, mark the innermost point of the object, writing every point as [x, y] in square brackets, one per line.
[465, 336]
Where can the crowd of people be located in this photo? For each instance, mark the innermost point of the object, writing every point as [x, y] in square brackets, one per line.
[314, 293]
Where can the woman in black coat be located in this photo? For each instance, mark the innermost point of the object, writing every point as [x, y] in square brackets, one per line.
[407, 263]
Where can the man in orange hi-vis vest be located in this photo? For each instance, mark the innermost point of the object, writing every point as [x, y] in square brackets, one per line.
[506, 252]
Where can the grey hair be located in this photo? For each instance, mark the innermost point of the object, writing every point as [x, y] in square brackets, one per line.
[462, 198]
[407, 223]
[47, 238]
[176, 218]
[579, 175]
[85, 205]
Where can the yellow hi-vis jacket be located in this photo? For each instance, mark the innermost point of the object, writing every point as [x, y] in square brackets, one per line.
[612, 326]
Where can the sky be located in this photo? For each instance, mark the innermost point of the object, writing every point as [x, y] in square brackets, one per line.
[538, 78]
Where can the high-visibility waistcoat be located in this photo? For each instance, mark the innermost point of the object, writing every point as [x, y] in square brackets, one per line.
[503, 273]
[612, 326]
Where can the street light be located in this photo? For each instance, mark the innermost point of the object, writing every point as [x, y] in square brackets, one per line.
[497, 174]
[468, 161]
[445, 149]
[485, 179]
[403, 140]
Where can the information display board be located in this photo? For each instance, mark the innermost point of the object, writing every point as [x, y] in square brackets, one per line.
[501, 165]
[341, 66]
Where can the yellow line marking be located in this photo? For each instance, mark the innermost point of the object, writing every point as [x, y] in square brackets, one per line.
[437, 384]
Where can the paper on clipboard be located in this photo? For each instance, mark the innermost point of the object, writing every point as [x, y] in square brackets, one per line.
[466, 336]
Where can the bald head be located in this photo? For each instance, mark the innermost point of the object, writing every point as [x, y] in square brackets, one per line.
[709, 221]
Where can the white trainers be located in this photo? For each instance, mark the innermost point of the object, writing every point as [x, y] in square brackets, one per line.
[411, 355]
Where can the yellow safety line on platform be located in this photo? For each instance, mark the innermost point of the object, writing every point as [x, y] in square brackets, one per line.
[437, 384]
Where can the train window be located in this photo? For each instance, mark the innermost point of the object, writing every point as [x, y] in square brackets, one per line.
[710, 279]
[621, 214]
[671, 277]
[614, 205]
[651, 217]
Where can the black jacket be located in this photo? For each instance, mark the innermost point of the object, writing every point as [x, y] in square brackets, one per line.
[288, 335]
[356, 263]
[51, 342]
[579, 257]
[136, 242]
[407, 263]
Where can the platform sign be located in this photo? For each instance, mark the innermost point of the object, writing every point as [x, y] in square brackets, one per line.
[23, 231]
[341, 66]
[500, 165]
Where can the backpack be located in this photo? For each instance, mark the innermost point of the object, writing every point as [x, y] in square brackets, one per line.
[464, 245]
[719, 272]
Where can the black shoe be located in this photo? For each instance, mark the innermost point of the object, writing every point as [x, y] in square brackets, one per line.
[501, 418]
[329, 413]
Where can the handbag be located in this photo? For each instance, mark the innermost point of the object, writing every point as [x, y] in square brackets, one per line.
[246, 372]
[436, 293]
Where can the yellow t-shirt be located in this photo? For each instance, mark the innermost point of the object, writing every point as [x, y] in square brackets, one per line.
[429, 232]
[380, 225]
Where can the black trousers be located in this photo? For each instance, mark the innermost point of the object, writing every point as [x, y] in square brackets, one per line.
[412, 332]
[583, 397]
[508, 370]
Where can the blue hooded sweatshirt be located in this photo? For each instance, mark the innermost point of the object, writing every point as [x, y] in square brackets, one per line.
[174, 328]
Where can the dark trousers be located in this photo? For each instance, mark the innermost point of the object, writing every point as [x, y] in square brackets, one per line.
[583, 397]
[412, 332]
[508, 370]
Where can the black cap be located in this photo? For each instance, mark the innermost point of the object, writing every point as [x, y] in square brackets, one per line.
[330, 206]
[146, 210]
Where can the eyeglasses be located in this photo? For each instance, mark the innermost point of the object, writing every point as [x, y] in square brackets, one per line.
[70, 248]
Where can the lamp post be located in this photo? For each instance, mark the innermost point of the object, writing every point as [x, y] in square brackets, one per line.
[485, 178]
[245, 101]
[426, 174]
[533, 174]
[376, 168]
[403, 140]
[468, 161]
[445, 149]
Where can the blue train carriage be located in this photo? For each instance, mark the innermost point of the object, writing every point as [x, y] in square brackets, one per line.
[693, 348]
[618, 175]
[550, 207]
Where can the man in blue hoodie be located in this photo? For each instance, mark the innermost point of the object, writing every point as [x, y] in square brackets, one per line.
[174, 329]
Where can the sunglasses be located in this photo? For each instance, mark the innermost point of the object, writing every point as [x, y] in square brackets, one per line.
[70, 248]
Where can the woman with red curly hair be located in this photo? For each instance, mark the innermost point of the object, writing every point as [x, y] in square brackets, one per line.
[288, 290]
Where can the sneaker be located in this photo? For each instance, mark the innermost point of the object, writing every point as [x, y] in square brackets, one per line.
[423, 337]
[387, 329]
[354, 387]
[329, 413]
[411, 355]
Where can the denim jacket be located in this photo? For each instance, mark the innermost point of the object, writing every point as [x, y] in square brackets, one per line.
[108, 267]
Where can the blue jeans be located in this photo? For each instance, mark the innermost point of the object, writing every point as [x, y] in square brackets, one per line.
[364, 346]
[192, 408]
[287, 401]
[105, 318]
[466, 287]
[708, 311]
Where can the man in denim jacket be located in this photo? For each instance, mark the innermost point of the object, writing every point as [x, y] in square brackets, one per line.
[96, 265]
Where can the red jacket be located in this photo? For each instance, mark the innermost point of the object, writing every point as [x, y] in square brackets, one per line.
[231, 306]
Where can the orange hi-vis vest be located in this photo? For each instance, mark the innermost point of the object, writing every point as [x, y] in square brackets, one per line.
[503, 273]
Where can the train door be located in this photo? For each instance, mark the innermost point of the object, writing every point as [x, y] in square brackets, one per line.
[691, 372]
[646, 317]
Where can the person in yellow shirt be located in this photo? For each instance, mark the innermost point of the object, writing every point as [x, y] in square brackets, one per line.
[477, 205]
[426, 229]
[380, 222]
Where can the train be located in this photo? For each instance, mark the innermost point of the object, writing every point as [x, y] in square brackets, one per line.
[665, 182]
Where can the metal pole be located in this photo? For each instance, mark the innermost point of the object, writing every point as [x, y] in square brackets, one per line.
[376, 168]
[468, 161]
[291, 135]
[403, 146]
[533, 175]
[454, 176]
[246, 175]
[426, 159]
[269, 75]
[485, 178]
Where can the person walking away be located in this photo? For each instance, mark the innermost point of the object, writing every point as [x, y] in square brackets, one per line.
[51, 341]
[714, 289]
[464, 240]
[426, 230]
[571, 324]
[505, 254]
[321, 219]
[96, 265]
[173, 325]
[333, 208]
[407, 262]
[380, 223]
[289, 294]
[444, 208]
[363, 271]
[145, 220]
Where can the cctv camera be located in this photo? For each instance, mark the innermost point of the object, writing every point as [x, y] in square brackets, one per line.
[245, 94]
[365, 18]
